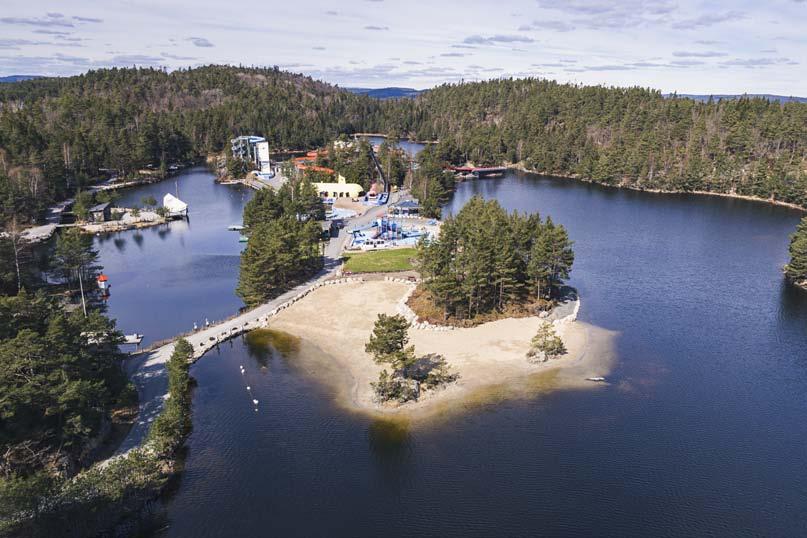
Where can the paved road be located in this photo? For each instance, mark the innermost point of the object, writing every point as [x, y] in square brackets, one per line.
[147, 370]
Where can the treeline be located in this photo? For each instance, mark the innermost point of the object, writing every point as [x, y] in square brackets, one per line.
[431, 183]
[284, 241]
[796, 270]
[617, 136]
[487, 260]
[58, 133]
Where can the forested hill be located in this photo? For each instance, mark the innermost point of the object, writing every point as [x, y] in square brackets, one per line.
[55, 131]
[628, 136]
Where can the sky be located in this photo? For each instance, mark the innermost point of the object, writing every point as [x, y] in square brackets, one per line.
[684, 46]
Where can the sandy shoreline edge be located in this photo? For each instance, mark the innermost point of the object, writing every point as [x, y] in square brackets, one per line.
[333, 323]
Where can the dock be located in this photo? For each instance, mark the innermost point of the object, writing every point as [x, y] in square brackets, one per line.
[133, 339]
[479, 171]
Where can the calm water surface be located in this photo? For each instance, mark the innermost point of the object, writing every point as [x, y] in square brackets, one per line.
[413, 148]
[700, 432]
[165, 278]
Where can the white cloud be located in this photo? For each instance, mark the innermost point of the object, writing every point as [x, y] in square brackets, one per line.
[688, 46]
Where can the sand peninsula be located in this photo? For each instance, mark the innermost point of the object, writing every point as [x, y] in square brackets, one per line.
[334, 322]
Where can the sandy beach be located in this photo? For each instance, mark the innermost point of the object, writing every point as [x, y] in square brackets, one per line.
[334, 322]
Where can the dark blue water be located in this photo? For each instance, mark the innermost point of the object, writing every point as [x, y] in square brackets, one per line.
[165, 278]
[701, 431]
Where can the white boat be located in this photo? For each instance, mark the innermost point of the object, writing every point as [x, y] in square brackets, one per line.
[596, 379]
[175, 206]
[235, 227]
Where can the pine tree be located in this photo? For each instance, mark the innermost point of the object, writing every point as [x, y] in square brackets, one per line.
[484, 259]
[546, 344]
[796, 270]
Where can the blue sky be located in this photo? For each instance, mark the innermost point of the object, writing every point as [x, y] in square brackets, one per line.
[673, 45]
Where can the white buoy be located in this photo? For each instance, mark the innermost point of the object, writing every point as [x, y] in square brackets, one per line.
[255, 402]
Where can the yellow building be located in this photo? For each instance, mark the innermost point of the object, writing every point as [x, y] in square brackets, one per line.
[340, 189]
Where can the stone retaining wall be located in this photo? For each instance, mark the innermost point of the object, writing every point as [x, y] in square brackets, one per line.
[409, 314]
[571, 317]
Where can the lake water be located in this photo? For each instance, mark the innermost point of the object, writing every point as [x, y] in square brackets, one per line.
[167, 277]
[413, 148]
[701, 430]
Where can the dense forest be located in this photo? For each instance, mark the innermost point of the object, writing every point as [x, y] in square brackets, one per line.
[487, 260]
[57, 133]
[618, 136]
[59, 378]
[284, 241]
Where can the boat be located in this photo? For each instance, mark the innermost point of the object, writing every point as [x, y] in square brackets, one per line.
[243, 239]
[235, 227]
[596, 379]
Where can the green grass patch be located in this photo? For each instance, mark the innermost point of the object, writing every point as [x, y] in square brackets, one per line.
[381, 261]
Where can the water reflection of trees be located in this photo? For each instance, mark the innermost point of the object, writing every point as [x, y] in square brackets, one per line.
[793, 301]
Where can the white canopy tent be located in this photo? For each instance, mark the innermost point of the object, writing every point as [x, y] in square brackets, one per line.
[175, 206]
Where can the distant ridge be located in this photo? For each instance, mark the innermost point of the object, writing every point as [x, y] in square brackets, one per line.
[719, 97]
[18, 78]
[386, 93]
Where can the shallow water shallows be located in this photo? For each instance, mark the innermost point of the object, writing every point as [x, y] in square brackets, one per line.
[700, 430]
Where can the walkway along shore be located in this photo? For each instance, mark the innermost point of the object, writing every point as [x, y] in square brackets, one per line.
[147, 370]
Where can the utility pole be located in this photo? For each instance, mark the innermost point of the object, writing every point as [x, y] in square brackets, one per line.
[81, 287]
